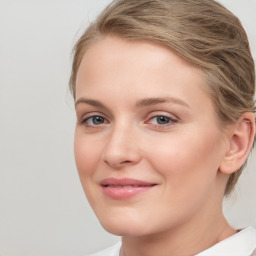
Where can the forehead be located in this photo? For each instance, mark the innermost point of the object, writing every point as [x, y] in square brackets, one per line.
[133, 69]
[114, 55]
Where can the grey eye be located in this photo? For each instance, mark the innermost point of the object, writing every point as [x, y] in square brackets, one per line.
[162, 119]
[97, 120]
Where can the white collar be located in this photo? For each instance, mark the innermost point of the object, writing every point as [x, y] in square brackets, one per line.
[242, 243]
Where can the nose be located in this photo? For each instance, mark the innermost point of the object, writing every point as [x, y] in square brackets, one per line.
[121, 148]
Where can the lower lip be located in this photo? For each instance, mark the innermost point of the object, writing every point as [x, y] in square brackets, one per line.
[122, 193]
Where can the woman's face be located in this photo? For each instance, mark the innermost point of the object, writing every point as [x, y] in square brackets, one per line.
[147, 144]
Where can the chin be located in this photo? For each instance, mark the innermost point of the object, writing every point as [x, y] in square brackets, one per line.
[125, 226]
[128, 230]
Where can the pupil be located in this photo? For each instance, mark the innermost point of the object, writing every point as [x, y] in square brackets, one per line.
[98, 120]
[162, 120]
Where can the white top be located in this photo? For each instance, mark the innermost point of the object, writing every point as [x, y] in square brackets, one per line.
[242, 243]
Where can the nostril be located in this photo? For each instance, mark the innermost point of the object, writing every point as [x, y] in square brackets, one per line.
[126, 162]
[118, 164]
[118, 157]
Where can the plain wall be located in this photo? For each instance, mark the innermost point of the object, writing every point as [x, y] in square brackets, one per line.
[43, 211]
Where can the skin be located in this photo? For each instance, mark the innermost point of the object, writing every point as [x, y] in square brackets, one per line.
[182, 155]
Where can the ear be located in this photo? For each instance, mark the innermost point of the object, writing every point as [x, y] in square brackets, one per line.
[240, 141]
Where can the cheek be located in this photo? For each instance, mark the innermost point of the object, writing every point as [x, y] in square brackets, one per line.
[189, 167]
[86, 155]
[190, 159]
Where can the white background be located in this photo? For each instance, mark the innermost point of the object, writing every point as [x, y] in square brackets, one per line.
[43, 211]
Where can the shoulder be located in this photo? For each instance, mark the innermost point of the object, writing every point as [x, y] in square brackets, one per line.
[242, 243]
[110, 251]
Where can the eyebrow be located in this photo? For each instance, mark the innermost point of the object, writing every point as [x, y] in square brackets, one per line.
[140, 103]
[91, 102]
[154, 101]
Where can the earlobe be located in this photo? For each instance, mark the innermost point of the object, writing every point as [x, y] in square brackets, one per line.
[240, 143]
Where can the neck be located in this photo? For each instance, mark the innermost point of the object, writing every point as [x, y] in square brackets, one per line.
[187, 240]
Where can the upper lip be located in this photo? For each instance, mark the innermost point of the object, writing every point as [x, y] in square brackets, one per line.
[125, 182]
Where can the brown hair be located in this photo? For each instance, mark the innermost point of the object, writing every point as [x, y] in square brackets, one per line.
[202, 32]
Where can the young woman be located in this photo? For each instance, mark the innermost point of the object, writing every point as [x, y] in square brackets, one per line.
[164, 96]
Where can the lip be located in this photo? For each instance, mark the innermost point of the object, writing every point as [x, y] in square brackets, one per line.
[124, 188]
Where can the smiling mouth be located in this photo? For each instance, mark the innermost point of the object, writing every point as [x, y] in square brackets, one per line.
[125, 188]
[128, 186]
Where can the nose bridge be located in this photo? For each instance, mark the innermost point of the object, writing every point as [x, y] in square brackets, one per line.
[121, 147]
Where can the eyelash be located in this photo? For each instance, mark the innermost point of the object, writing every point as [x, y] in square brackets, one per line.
[85, 120]
[169, 121]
